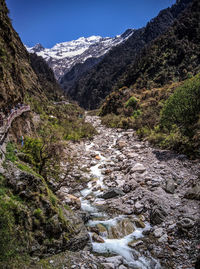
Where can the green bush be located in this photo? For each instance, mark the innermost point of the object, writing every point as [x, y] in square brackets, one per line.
[10, 152]
[132, 102]
[183, 107]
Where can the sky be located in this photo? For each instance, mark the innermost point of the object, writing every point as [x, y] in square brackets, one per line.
[53, 21]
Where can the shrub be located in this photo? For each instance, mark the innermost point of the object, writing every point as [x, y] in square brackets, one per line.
[183, 107]
[132, 102]
[10, 152]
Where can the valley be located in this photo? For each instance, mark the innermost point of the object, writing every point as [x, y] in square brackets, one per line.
[100, 147]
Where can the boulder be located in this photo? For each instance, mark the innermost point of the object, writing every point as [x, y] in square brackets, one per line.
[185, 223]
[72, 200]
[157, 215]
[97, 238]
[130, 186]
[112, 193]
[158, 232]
[138, 207]
[193, 193]
[121, 144]
[138, 167]
[169, 186]
[135, 243]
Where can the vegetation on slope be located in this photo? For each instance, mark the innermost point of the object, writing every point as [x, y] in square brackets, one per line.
[33, 221]
[92, 88]
[156, 74]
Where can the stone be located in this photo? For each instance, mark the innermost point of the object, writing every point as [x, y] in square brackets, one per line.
[132, 155]
[138, 207]
[108, 266]
[163, 238]
[193, 193]
[121, 144]
[169, 186]
[135, 243]
[158, 232]
[72, 200]
[112, 193]
[130, 186]
[122, 267]
[185, 223]
[121, 229]
[138, 167]
[157, 215]
[139, 223]
[97, 238]
[98, 157]
[101, 229]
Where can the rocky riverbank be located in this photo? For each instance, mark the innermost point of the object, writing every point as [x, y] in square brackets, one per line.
[139, 202]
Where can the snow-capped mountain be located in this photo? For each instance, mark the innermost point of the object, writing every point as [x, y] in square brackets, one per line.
[63, 56]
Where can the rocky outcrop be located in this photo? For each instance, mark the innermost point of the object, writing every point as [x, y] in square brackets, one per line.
[50, 228]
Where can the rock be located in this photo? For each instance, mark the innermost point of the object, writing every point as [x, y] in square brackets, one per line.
[135, 243]
[138, 167]
[185, 223]
[169, 186]
[139, 223]
[101, 229]
[193, 193]
[72, 200]
[163, 238]
[112, 193]
[138, 207]
[116, 260]
[157, 215]
[98, 157]
[158, 232]
[121, 144]
[97, 238]
[132, 155]
[122, 267]
[130, 186]
[122, 228]
[108, 266]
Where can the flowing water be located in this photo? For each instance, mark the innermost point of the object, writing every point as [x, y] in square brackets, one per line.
[116, 232]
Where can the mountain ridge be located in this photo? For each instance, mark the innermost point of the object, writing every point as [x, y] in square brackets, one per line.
[91, 89]
[63, 56]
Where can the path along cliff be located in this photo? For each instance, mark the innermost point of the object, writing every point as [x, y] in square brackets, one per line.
[141, 204]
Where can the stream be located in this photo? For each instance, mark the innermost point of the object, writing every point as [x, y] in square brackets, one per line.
[133, 200]
[117, 232]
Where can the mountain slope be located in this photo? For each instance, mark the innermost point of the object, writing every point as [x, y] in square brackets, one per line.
[33, 220]
[159, 75]
[63, 56]
[95, 85]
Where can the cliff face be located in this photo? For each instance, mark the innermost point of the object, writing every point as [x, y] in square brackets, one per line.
[91, 89]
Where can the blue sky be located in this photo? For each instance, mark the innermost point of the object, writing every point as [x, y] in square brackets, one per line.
[53, 21]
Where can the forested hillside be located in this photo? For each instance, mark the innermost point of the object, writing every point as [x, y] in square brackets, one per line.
[157, 72]
[96, 84]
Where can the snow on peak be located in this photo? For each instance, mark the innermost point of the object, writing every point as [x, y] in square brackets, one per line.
[63, 56]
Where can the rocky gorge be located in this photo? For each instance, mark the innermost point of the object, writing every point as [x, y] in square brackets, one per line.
[139, 204]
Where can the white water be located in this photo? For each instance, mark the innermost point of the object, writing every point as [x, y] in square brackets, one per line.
[115, 246]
